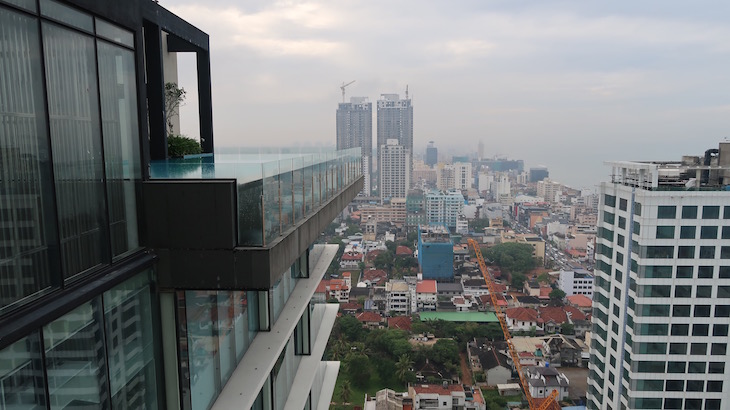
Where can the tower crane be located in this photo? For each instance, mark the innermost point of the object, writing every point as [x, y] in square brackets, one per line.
[342, 87]
[550, 402]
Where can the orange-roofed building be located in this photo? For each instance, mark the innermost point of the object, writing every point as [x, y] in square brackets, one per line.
[400, 322]
[427, 396]
[521, 318]
[582, 302]
[403, 251]
[370, 319]
[426, 295]
[545, 292]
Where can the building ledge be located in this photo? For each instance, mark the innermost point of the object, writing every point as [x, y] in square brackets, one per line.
[331, 370]
[251, 373]
[308, 366]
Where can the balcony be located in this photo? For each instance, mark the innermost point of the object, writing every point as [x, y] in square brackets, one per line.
[245, 207]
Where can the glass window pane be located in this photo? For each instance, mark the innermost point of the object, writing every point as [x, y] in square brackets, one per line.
[130, 344]
[75, 361]
[76, 141]
[202, 347]
[68, 15]
[21, 375]
[26, 4]
[226, 336]
[26, 198]
[117, 85]
[114, 33]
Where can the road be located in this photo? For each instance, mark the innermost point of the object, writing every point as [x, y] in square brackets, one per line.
[465, 371]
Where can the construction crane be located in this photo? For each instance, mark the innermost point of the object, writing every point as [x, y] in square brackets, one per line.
[549, 402]
[342, 87]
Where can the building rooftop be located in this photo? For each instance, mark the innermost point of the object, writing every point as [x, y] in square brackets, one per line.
[426, 286]
[478, 317]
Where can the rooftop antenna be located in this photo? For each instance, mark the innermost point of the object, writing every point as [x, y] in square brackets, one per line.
[406, 91]
[342, 87]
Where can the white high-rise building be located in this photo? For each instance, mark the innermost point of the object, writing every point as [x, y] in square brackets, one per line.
[355, 129]
[444, 207]
[394, 170]
[549, 190]
[462, 175]
[662, 286]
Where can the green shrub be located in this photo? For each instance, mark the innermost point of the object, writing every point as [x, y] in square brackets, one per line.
[179, 146]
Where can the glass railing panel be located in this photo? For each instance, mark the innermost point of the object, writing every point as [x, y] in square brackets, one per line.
[275, 189]
[272, 202]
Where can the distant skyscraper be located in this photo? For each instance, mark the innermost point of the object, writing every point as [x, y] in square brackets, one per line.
[432, 156]
[538, 174]
[395, 120]
[355, 129]
[394, 170]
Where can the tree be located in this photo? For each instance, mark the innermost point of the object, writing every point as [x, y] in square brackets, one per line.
[517, 280]
[557, 294]
[358, 368]
[445, 351]
[544, 278]
[351, 328]
[403, 367]
[567, 328]
[174, 98]
[513, 257]
[345, 391]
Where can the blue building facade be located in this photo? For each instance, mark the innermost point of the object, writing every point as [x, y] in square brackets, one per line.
[435, 252]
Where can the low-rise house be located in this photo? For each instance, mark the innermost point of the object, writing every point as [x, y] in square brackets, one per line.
[563, 350]
[582, 302]
[488, 357]
[524, 319]
[426, 295]
[543, 380]
[371, 320]
[449, 289]
[400, 322]
[374, 277]
[527, 301]
[437, 397]
[351, 260]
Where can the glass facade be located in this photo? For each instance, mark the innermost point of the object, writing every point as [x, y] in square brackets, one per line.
[215, 330]
[99, 355]
[67, 199]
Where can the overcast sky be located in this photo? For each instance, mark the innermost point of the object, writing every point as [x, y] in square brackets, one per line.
[565, 84]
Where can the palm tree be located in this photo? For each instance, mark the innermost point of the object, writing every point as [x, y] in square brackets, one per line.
[339, 350]
[345, 391]
[403, 367]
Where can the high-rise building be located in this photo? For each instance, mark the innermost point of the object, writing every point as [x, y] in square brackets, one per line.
[462, 175]
[662, 286]
[355, 129]
[130, 281]
[538, 174]
[432, 155]
[436, 252]
[394, 169]
[395, 120]
[548, 190]
[444, 207]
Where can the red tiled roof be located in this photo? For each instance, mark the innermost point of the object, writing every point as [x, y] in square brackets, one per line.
[554, 313]
[545, 292]
[436, 388]
[580, 301]
[373, 254]
[575, 314]
[522, 314]
[347, 275]
[426, 286]
[400, 322]
[350, 306]
[352, 257]
[403, 251]
[458, 301]
[374, 275]
[322, 287]
[368, 317]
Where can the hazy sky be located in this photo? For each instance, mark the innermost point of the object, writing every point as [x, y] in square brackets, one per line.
[565, 84]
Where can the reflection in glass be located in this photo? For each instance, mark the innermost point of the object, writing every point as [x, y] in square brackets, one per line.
[75, 366]
[21, 375]
[202, 343]
[26, 200]
[76, 142]
[121, 143]
[130, 344]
